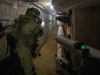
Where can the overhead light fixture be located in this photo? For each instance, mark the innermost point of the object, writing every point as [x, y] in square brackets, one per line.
[43, 23]
[51, 7]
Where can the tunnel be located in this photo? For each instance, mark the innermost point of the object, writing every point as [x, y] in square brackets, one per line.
[64, 39]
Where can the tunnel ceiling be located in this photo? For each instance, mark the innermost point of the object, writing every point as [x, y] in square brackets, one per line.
[47, 4]
[31, 0]
[44, 4]
[63, 5]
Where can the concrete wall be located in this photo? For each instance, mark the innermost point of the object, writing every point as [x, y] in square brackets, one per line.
[11, 9]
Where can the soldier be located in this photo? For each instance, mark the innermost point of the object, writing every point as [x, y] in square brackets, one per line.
[22, 41]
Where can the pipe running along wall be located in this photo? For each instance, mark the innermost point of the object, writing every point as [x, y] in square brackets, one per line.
[61, 54]
[5, 27]
[69, 44]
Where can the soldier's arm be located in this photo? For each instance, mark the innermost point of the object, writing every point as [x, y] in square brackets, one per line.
[40, 33]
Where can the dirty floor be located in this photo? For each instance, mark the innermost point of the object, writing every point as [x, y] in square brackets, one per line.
[46, 64]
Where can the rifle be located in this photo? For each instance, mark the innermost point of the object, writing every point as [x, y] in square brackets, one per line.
[39, 20]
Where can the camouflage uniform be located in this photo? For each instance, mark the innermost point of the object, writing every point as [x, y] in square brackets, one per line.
[21, 39]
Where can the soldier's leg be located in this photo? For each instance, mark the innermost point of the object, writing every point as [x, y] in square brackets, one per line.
[26, 60]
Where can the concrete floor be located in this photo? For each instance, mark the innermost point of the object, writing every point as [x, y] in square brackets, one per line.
[46, 64]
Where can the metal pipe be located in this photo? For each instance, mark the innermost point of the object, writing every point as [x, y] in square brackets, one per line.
[5, 27]
[61, 54]
[63, 19]
[5, 24]
[69, 44]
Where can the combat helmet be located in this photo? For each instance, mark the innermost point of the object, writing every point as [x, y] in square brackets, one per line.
[33, 11]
